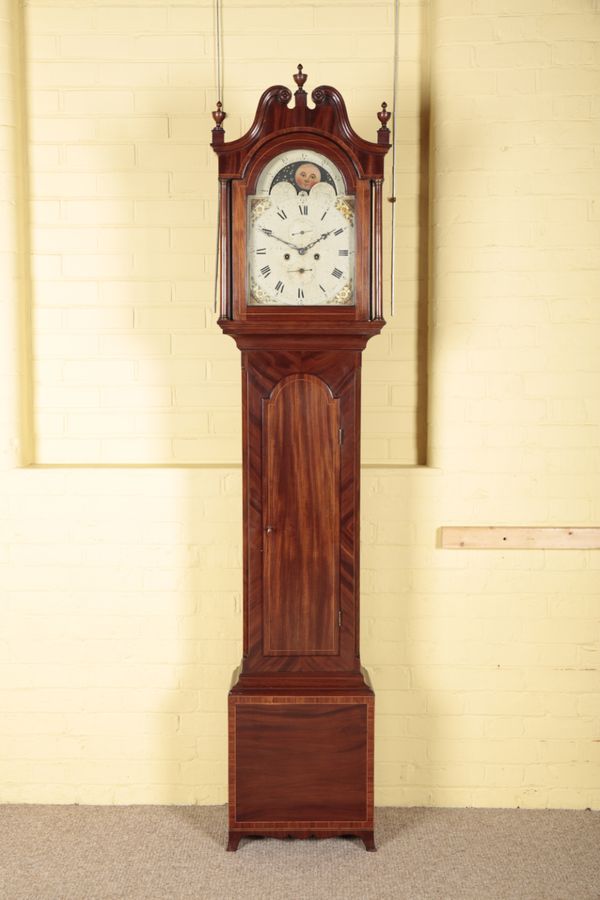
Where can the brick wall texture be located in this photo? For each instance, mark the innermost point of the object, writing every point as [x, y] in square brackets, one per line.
[120, 483]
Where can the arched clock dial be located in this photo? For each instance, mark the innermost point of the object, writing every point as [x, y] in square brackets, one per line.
[301, 234]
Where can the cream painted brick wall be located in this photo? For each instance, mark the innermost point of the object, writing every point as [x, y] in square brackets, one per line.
[123, 190]
[120, 587]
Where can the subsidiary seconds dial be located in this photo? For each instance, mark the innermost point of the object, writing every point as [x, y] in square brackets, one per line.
[301, 240]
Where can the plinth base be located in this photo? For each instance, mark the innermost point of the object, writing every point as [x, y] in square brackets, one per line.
[301, 765]
[367, 837]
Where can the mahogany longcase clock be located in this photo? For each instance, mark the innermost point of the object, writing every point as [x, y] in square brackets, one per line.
[300, 208]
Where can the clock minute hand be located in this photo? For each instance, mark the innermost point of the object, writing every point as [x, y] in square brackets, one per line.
[277, 238]
[312, 243]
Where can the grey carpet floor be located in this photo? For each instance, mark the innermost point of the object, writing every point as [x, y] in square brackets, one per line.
[178, 852]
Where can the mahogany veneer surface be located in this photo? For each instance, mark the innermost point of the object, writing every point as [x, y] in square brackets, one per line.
[298, 763]
[301, 545]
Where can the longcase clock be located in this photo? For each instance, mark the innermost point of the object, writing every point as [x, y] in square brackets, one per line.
[300, 210]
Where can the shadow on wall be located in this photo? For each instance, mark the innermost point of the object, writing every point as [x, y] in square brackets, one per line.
[396, 544]
[25, 453]
[424, 272]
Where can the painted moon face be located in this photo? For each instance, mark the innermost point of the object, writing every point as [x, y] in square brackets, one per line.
[306, 176]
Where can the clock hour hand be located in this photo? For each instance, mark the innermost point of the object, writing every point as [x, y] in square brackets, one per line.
[302, 250]
[269, 233]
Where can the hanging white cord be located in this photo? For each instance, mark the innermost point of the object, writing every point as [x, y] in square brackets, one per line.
[392, 199]
[219, 85]
[219, 48]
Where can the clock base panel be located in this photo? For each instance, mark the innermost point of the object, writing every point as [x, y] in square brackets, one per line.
[301, 765]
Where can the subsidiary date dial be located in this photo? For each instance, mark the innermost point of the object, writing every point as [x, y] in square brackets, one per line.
[301, 235]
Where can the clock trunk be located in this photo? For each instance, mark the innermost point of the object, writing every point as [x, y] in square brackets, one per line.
[301, 496]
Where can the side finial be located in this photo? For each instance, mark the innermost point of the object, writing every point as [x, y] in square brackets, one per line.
[383, 133]
[218, 115]
[300, 78]
[218, 132]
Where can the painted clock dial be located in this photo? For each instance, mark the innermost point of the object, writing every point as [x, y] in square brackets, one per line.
[301, 234]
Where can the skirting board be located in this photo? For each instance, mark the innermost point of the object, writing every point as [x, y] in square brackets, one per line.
[496, 537]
